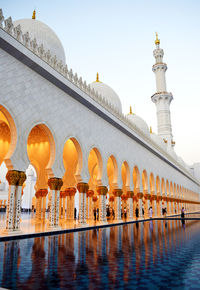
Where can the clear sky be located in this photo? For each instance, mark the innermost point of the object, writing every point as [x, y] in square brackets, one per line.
[116, 38]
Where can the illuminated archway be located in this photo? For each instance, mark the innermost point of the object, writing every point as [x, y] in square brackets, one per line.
[125, 172]
[41, 153]
[152, 183]
[136, 179]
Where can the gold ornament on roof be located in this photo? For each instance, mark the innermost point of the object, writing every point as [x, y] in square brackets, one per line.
[131, 112]
[157, 41]
[34, 13]
[97, 78]
[151, 132]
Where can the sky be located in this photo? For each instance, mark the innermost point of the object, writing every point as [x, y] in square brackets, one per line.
[116, 39]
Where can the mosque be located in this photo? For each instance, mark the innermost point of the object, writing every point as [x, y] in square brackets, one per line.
[65, 143]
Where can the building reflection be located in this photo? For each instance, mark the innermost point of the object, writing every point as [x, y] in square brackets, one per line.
[99, 257]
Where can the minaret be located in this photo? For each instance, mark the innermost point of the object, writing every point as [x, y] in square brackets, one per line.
[162, 98]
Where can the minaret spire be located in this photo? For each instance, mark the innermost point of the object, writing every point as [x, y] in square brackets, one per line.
[34, 14]
[162, 98]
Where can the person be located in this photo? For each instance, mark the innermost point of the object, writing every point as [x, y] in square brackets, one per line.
[137, 212]
[113, 213]
[125, 213]
[75, 210]
[95, 214]
[142, 211]
[150, 212]
[182, 212]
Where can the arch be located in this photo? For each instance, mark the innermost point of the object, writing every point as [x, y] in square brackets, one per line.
[171, 189]
[95, 167]
[152, 183]
[136, 179]
[125, 172]
[41, 153]
[178, 192]
[167, 187]
[175, 190]
[72, 160]
[144, 181]
[158, 189]
[163, 186]
[8, 134]
[112, 169]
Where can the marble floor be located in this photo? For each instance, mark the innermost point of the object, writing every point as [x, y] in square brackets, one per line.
[30, 225]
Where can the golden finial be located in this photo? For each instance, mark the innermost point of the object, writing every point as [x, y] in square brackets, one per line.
[157, 41]
[34, 13]
[131, 112]
[151, 132]
[97, 78]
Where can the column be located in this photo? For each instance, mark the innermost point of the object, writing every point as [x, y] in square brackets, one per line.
[18, 200]
[117, 193]
[154, 205]
[55, 185]
[147, 197]
[90, 194]
[130, 195]
[102, 191]
[70, 192]
[82, 188]
[12, 177]
[38, 205]
[159, 204]
[44, 193]
[140, 196]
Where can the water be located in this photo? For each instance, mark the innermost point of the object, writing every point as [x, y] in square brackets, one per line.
[149, 255]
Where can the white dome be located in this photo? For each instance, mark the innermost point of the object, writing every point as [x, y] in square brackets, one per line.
[140, 123]
[159, 141]
[44, 35]
[172, 152]
[108, 93]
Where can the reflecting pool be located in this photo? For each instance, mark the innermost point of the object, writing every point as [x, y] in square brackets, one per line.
[146, 255]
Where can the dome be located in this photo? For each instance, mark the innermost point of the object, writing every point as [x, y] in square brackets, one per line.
[44, 35]
[159, 141]
[108, 93]
[139, 123]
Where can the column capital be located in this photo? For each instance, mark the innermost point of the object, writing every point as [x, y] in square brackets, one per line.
[22, 178]
[117, 192]
[55, 183]
[12, 177]
[130, 194]
[62, 193]
[90, 193]
[70, 191]
[82, 187]
[140, 195]
[147, 196]
[102, 190]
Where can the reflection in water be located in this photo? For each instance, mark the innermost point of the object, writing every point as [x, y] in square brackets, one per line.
[135, 255]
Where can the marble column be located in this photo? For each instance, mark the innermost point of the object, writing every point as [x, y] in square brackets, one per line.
[70, 193]
[15, 179]
[117, 193]
[147, 197]
[159, 202]
[18, 200]
[102, 191]
[12, 177]
[130, 195]
[140, 196]
[90, 194]
[154, 205]
[55, 185]
[82, 188]
[44, 193]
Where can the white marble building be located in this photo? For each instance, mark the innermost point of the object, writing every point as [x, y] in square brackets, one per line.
[77, 138]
